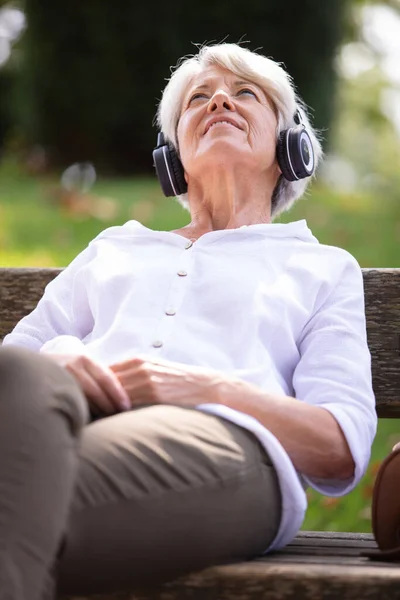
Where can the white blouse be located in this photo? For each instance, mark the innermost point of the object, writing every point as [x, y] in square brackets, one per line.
[266, 303]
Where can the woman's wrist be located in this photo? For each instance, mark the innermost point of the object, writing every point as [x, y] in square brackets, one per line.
[64, 344]
[234, 393]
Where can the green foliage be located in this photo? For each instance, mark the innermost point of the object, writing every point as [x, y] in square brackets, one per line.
[366, 137]
[93, 71]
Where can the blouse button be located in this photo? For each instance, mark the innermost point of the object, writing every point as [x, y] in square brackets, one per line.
[157, 343]
[188, 245]
[182, 273]
[170, 311]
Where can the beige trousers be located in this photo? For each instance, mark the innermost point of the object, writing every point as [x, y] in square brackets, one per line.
[127, 501]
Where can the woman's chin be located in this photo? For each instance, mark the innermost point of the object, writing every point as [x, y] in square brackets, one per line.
[224, 155]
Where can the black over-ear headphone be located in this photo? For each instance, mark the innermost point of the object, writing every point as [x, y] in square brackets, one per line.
[169, 168]
[294, 152]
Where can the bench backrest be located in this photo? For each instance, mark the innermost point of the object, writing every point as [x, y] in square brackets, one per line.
[20, 290]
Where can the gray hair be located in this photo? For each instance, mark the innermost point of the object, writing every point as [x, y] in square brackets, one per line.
[264, 72]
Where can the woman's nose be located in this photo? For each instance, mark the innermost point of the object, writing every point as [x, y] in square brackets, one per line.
[220, 101]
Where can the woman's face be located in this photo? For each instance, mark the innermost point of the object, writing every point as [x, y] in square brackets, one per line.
[226, 121]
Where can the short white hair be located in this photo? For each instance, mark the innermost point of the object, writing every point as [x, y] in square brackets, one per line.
[260, 70]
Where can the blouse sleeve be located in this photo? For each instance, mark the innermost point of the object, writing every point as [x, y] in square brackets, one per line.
[63, 317]
[334, 371]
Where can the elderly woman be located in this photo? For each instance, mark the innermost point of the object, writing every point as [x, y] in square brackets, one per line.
[225, 364]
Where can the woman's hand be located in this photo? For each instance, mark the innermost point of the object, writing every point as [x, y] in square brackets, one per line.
[104, 392]
[158, 381]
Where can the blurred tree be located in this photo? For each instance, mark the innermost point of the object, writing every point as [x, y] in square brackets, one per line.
[7, 80]
[11, 26]
[93, 70]
[367, 129]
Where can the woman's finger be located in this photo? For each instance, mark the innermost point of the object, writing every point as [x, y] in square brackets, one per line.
[110, 386]
[92, 390]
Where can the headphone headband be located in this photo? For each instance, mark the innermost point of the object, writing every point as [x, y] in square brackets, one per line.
[298, 118]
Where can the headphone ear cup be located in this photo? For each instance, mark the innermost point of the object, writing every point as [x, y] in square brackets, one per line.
[178, 172]
[169, 168]
[295, 154]
[283, 156]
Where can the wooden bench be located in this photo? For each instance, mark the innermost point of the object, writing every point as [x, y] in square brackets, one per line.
[316, 565]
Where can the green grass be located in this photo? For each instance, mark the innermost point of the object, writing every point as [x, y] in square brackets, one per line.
[36, 229]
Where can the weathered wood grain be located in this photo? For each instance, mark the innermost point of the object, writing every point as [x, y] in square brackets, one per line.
[382, 307]
[286, 575]
[20, 290]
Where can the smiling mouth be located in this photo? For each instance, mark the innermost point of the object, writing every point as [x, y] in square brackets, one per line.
[218, 123]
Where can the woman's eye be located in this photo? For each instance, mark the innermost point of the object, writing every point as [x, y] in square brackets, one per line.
[246, 91]
[197, 96]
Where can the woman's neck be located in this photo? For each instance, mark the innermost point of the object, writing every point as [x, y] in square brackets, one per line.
[228, 201]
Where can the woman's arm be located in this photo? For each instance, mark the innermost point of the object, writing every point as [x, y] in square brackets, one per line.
[62, 317]
[328, 427]
[57, 327]
[310, 434]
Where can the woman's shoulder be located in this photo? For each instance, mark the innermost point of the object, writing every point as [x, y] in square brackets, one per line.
[340, 256]
[330, 265]
[337, 253]
[116, 232]
[326, 253]
[305, 245]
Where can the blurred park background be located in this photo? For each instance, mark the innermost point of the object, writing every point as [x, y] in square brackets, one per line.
[79, 85]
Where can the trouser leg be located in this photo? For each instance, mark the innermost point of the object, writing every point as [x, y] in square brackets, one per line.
[42, 412]
[162, 491]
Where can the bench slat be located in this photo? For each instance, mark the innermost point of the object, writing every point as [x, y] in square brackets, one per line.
[284, 576]
[334, 535]
[258, 581]
[382, 308]
[20, 290]
[319, 544]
